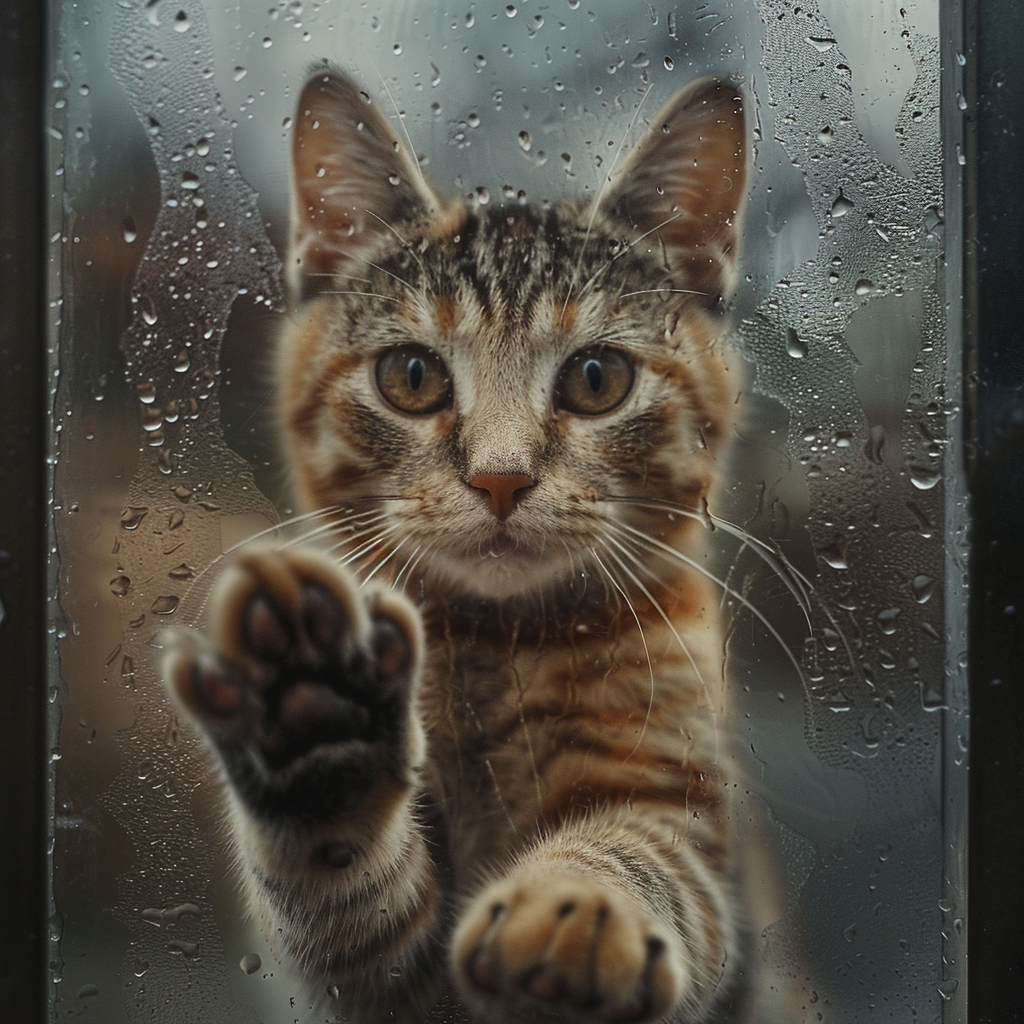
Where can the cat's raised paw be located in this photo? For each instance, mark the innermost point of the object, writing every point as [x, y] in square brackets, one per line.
[568, 945]
[304, 683]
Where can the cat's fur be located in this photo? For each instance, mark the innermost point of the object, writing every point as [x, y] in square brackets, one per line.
[507, 789]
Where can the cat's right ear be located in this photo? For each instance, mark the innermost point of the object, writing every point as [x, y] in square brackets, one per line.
[352, 183]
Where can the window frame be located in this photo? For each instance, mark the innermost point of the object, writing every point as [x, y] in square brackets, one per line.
[993, 442]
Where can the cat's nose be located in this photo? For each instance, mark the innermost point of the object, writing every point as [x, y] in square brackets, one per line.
[503, 490]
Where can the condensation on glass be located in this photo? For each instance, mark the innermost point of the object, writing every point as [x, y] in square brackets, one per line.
[168, 124]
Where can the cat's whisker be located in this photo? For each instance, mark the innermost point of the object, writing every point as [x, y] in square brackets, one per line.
[646, 234]
[384, 561]
[772, 558]
[661, 611]
[655, 291]
[349, 525]
[366, 546]
[643, 640]
[376, 266]
[405, 243]
[369, 295]
[260, 534]
[595, 206]
[658, 546]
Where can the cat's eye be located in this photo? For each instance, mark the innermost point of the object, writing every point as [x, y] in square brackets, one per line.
[593, 381]
[414, 379]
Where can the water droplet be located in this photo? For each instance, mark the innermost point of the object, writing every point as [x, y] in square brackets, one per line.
[132, 516]
[396, 971]
[239, 73]
[826, 134]
[128, 230]
[863, 287]
[525, 141]
[182, 361]
[189, 950]
[190, 181]
[120, 585]
[397, 49]
[669, 63]
[875, 445]
[794, 346]
[821, 43]
[88, 991]
[165, 605]
[140, 967]
[887, 620]
[148, 314]
[182, 572]
[267, 42]
[473, 120]
[841, 206]
[923, 478]
[250, 963]
[850, 932]
[510, 11]
[947, 988]
[924, 587]
[181, 22]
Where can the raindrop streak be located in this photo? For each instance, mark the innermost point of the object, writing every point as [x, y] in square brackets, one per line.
[794, 346]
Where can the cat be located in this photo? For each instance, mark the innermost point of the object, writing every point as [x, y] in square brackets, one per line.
[472, 731]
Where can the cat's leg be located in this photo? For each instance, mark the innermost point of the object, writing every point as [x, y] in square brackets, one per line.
[619, 917]
[305, 689]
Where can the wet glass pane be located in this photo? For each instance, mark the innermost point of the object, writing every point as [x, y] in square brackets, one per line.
[838, 535]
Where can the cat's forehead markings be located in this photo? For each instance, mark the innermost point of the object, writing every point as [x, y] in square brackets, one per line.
[569, 312]
[445, 313]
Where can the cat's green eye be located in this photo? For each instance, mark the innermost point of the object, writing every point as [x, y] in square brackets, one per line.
[593, 381]
[414, 379]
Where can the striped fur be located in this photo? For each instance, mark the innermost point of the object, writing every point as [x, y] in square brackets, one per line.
[510, 789]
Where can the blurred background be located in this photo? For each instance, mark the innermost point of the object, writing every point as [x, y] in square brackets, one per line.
[169, 124]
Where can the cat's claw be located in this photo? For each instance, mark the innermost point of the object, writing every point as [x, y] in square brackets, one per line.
[569, 945]
[306, 675]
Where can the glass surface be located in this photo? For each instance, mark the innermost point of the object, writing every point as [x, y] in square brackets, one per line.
[169, 125]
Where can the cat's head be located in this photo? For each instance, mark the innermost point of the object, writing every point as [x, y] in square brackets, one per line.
[497, 396]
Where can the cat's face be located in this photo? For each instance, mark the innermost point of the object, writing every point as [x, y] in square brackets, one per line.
[484, 386]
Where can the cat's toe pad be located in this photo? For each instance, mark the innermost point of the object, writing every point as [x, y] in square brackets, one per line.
[299, 657]
[566, 944]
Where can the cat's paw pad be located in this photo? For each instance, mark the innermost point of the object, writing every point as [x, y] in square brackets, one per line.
[298, 662]
[568, 945]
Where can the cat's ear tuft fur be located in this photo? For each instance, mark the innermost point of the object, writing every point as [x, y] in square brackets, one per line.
[682, 188]
[352, 182]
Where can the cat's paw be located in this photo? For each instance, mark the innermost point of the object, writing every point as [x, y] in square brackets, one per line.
[304, 684]
[568, 945]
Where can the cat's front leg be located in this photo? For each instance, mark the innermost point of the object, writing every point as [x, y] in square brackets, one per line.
[611, 920]
[305, 689]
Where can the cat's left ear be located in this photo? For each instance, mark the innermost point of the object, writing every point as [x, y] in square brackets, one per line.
[680, 192]
[353, 183]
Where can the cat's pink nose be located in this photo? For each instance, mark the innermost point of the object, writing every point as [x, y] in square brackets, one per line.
[502, 490]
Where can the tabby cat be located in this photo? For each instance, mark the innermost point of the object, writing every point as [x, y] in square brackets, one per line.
[471, 731]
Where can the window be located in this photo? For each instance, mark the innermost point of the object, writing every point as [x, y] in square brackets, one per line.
[851, 460]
